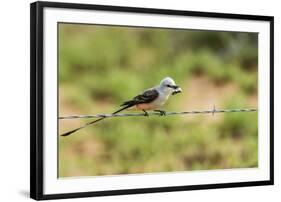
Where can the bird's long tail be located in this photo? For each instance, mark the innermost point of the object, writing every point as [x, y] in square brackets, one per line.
[95, 121]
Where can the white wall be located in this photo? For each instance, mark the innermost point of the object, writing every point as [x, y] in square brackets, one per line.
[14, 105]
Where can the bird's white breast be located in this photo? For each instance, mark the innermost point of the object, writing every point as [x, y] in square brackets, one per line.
[162, 98]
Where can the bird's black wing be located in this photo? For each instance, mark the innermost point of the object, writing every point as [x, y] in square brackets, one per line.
[146, 97]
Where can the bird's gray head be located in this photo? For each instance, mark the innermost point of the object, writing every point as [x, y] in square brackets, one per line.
[168, 85]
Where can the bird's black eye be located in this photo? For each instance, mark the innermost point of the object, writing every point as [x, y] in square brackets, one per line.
[168, 85]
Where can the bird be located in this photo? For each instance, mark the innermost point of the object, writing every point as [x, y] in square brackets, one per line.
[151, 99]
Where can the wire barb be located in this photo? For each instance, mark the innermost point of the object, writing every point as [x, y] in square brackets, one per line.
[213, 111]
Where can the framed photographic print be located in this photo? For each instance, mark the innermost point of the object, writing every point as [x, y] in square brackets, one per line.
[136, 100]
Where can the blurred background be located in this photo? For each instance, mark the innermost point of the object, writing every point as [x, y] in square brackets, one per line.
[102, 66]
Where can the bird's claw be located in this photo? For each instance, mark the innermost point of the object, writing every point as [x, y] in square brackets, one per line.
[161, 112]
[145, 113]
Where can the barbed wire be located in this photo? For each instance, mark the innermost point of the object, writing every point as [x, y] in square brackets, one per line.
[213, 111]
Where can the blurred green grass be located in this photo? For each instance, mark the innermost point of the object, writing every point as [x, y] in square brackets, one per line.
[102, 66]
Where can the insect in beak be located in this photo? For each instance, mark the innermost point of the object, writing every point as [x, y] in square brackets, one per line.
[176, 90]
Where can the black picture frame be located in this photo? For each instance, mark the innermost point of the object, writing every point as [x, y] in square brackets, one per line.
[37, 101]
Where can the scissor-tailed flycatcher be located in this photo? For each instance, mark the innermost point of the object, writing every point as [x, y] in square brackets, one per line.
[151, 99]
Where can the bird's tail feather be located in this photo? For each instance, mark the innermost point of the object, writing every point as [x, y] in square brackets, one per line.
[129, 103]
[92, 122]
[123, 108]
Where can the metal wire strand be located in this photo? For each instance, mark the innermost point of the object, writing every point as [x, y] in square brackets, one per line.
[212, 111]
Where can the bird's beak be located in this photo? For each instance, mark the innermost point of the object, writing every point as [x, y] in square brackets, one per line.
[176, 90]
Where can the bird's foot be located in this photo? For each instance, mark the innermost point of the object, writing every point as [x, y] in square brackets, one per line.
[145, 113]
[161, 112]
